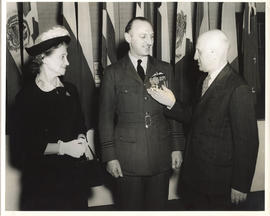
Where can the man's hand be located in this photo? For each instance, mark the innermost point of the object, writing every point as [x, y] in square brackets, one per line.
[114, 168]
[163, 96]
[176, 159]
[237, 196]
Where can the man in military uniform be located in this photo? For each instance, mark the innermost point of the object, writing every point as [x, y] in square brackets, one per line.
[139, 145]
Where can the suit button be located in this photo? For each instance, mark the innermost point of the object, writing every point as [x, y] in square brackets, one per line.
[126, 91]
[145, 98]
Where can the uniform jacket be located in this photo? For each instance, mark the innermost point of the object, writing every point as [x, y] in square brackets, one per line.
[142, 144]
[222, 144]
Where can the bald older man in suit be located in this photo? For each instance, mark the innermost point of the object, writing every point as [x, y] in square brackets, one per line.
[222, 144]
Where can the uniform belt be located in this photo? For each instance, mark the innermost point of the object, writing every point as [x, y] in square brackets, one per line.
[147, 118]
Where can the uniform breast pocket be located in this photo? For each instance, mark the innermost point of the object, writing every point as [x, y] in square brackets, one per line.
[128, 98]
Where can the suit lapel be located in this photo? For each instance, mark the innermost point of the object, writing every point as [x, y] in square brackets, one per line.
[217, 84]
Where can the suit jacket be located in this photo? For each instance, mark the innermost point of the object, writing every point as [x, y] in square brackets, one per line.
[126, 110]
[222, 144]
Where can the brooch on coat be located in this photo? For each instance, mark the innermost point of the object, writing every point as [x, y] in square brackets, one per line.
[157, 80]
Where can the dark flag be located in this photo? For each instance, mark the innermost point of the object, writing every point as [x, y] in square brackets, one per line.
[250, 49]
[184, 52]
[80, 70]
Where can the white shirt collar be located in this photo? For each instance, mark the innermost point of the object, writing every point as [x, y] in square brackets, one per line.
[214, 74]
[134, 61]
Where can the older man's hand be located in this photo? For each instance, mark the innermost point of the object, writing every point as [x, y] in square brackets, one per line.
[163, 96]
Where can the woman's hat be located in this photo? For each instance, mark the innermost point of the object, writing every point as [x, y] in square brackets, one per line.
[48, 39]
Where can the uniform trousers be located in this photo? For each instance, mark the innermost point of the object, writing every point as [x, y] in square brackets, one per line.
[143, 192]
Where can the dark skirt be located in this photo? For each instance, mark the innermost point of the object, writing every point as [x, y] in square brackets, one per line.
[54, 184]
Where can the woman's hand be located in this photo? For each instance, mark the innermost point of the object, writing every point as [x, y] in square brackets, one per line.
[87, 152]
[74, 148]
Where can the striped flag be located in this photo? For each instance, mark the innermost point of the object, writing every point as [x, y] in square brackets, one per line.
[85, 33]
[162, 36]
[228, 25]
[30, 26]
[80, 71]
[250, 49]
[202, 18]
[108, 34]
[184, 52]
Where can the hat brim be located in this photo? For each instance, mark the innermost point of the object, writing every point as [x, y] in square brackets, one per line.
[45, 45]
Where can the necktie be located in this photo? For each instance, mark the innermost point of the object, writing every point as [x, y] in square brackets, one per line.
[205, 84]
[140, 70]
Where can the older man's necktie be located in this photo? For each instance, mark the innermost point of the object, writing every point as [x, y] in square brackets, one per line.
[205, 84]
[140, 69]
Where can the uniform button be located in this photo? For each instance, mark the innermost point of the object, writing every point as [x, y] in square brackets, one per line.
[145, 98]
[126, 91]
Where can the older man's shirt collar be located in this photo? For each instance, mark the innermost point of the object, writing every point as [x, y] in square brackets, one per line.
[214, 74]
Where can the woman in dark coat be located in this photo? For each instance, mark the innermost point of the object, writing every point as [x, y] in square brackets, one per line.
[51, 131]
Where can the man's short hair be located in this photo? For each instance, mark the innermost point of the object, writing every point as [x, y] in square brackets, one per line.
[129, 25]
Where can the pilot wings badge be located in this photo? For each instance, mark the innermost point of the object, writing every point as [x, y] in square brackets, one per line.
[157, 80]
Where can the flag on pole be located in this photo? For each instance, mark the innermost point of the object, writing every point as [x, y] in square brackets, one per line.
[202, 18]
[30, 26]
[162, 36]
[143, 9]
[184, 52]
[13, 62]
[140, 9]
[250, 49]
[13, 34]
[69, 21]
[108, 34]
[228, 26]
[85, 33]
[81, 69]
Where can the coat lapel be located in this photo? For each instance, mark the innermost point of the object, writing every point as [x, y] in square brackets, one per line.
[217, 84]
[150, 68]
[130, 70]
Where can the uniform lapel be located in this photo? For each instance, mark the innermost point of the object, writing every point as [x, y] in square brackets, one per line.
[150, 68]
[130, 70]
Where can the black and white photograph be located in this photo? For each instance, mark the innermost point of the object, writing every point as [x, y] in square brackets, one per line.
[121, 107]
